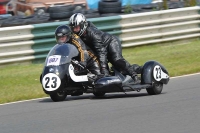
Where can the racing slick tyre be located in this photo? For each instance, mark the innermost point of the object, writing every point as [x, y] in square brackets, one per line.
[61, 15]
[16, 21]
[109, 7]
[8, 23]
[99, 94]
[109, 4]
[60, 9]
[58, 96]
[38, 19]
[110, 10]
[155, 89]
[61, 12]
[79, 11]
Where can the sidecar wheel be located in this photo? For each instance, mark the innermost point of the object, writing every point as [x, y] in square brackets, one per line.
[58, 96]
[155, 89]
[99, 94]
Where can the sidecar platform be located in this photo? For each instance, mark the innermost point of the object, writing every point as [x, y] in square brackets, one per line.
[114, 84]
[135, 87]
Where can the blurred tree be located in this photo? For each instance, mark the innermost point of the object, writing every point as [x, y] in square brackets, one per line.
[190, 2]
[128, 8]
[165, 6]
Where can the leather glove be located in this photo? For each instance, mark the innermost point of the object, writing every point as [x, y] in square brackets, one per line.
[80, 64]
[83, 64]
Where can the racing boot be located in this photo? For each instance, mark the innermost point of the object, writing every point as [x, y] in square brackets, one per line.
[135, 78]
[128, 69]
[137, 68]
[133, 75]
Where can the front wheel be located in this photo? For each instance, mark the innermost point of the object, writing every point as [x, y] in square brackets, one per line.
[99, 94]
[58, 96]
[155, 89]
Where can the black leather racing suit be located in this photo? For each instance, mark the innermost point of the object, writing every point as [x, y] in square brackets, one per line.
[86, 55]
[108, 48]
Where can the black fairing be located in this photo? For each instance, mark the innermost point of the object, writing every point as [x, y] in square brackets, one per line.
[61, 70]
[66, 53]
[147, 73]
[108, 84]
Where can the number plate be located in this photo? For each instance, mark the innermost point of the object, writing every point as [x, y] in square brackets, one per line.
[51, 82]
[158, 74]
[53, 60]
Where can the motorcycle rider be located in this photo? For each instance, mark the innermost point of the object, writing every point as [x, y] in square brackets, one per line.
[63, 34]
[106, 46]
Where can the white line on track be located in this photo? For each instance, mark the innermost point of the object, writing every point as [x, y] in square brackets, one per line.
[23, 101]
[48, 97]
[185, 75]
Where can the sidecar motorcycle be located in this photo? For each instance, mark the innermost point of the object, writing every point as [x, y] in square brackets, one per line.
[62, 75]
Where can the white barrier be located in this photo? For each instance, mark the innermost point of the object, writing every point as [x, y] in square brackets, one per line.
[16, 43]
[159, 26]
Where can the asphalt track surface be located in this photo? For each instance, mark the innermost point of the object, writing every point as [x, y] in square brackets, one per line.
[176, 110]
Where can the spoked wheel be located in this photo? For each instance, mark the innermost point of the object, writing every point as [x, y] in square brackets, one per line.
[58, 96]
[155, 89]
[99, 94]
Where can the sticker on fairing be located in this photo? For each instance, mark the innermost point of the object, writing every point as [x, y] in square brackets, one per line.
[53, 60]
[75, 78]
[51, 82]
[158, 74]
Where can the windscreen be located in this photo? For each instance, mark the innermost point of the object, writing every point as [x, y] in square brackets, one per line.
[61, 54]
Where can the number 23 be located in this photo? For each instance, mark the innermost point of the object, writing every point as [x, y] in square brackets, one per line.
[158, 73]
[53, 84]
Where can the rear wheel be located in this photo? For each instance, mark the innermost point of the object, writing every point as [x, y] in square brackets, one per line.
[155, 89]
[58, 96]
[99, 94]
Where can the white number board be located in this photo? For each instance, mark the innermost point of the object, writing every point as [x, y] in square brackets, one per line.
[53, 60]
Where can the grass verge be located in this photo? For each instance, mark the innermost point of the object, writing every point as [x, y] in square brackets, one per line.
[22, 82]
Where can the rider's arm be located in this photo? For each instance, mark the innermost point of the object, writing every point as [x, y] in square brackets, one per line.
[99, 47]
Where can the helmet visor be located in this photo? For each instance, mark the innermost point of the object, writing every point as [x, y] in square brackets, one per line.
[76, 29]
[62, 38]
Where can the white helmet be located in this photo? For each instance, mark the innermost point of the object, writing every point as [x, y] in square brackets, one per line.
[78, 19]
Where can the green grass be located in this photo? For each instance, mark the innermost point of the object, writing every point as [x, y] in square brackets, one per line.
[178, 59]
[21, 82]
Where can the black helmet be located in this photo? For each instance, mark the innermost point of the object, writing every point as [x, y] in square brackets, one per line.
[63, 31]
[78, 19]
